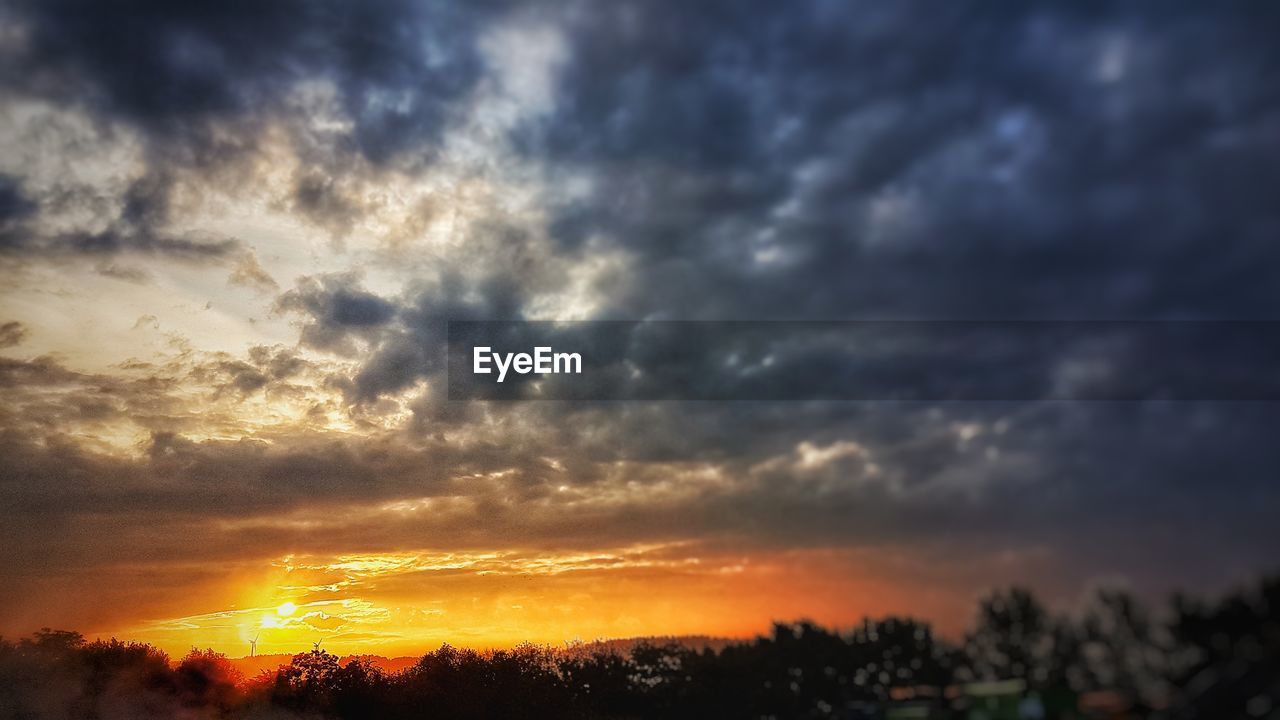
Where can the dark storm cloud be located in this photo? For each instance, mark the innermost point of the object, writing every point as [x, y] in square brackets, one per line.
[176, 69]
[337, 311]
[138, 228]
[1038, 162]
[974, 160]
[15, 209]
[406, 337]
[823, 160]
[417, 350]
[316, 197]
[14, 204]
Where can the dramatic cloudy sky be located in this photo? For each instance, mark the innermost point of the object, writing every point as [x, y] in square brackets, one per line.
[231, 234]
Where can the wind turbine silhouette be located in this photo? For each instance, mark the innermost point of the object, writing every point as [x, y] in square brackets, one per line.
[316, 645]
[253, 645]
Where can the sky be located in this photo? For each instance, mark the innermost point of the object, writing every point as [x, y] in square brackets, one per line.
[232, 233]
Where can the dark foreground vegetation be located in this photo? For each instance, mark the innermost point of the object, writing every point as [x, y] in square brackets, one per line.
[1215, 660]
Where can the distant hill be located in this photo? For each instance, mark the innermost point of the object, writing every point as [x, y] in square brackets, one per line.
[251, 667]
[624, 646]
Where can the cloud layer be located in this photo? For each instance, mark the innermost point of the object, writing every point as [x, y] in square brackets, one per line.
[231, 236]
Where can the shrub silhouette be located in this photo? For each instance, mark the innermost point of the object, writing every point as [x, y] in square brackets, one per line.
[207, 679]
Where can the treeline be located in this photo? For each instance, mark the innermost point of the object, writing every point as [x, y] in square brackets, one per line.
[1192, 659]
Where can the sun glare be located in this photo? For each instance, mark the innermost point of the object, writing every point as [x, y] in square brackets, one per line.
[287, 609]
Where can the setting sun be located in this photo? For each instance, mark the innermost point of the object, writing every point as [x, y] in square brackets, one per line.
[286, 609]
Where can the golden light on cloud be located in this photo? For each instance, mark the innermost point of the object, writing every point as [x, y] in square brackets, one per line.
[286, 609]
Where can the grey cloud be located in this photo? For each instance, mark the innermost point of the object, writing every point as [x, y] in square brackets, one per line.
[317, 197]
[266, 368]
[277, 362]
[1078, 512]
[14, 204]
[43, 370]
[406, 336]
[337, 311]
[126, 273]
[12, 333]
[200, 86]
[138, 228]
[15, 209]
[110, 243]
[844, 161]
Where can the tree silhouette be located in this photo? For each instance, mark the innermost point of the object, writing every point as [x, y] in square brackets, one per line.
[1232, 656]
[205, 678]
[308, 682]
[1013, 636]
[1126, 650]
[1204, 660]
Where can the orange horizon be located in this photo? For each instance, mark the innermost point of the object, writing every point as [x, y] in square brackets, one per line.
[409, 603]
